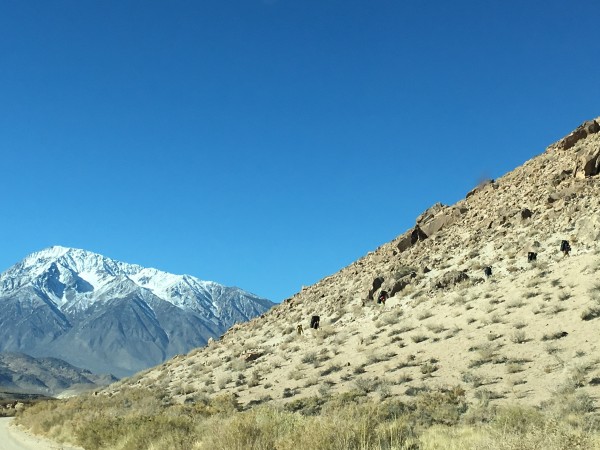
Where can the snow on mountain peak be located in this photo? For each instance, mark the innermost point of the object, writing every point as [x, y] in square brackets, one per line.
[63, 271]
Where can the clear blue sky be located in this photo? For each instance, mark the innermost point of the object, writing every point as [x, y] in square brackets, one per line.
[268, 143]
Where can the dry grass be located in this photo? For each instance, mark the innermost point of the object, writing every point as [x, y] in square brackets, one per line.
[434, 419]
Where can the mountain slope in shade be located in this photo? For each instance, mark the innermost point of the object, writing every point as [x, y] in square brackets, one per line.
[48, 376]
[109, 316]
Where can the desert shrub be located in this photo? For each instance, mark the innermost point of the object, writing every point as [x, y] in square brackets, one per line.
[392, 317]
[553, 335]
[223, 381]
[453, 332]
[296, 373]
[310, 358]
[311, 381]
[472, 378]
[430, 419]
[416, 338]
[518, 337]
[493, 336]
[326, 331]
[424, 315]
[435, 327]
[309, 406]
[254, 379]
[428, 368]
[591, 312]
[374, 357]
[289, 392]
[366, 385]
[517, 303]
[443, 406]
[331, 369]
[514, 367]
[259, 428]
[563, 296]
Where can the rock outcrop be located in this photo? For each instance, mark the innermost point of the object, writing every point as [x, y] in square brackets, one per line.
[581, 132]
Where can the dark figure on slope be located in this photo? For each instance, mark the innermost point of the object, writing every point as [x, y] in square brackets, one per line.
[565, 247]
[383, 297]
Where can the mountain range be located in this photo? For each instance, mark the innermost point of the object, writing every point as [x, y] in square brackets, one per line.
[112, 317]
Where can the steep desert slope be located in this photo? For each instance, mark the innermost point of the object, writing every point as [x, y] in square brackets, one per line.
[527, 332]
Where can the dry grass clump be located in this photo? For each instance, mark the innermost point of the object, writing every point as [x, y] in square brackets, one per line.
[554, 335]
[310, 358]
[591, 312]
[424, 315]
[518, 337]
[331, 369]
[416, 338]
[517, 303]
[435, 327]
[391, 318]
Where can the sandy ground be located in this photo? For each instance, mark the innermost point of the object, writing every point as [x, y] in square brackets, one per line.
[14, 438]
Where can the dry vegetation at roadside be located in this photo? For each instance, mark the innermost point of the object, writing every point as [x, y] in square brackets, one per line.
[146, 419]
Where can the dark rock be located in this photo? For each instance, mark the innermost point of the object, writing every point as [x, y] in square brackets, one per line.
[526, 213]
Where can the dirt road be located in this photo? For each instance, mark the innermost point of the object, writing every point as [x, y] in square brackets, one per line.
[13, 438]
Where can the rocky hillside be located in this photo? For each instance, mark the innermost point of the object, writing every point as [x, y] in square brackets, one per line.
[527, 332]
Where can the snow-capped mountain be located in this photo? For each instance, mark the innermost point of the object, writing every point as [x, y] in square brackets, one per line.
[109, 316]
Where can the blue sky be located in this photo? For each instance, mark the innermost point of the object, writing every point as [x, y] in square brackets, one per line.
[268, 143]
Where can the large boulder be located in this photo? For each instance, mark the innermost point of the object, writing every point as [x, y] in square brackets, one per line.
[431, 212]
[430, 222]
[410, 238]
[443, 217]
[450, 279]
[587, 229]
[588, 163]
[377, 282]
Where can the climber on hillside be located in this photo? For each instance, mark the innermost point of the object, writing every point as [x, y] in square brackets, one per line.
[565, 247]
[383, 297]
[314, 322]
